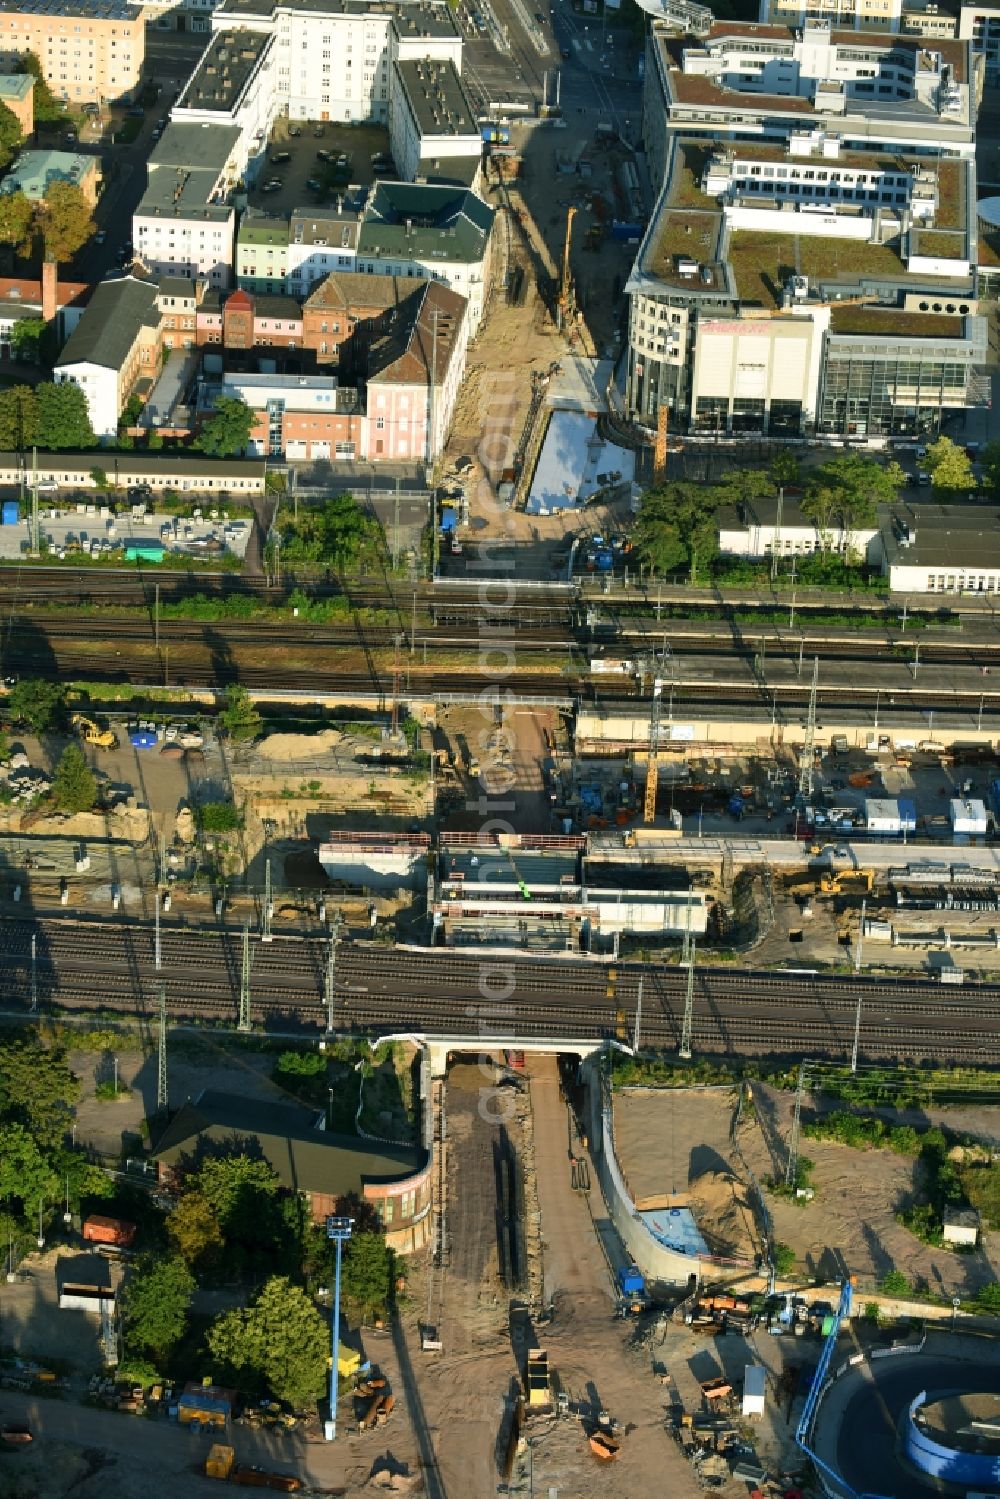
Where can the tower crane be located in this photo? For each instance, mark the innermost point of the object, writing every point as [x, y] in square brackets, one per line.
[566, 298]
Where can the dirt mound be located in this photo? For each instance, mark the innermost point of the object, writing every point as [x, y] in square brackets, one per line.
[287, 747]
[184, 826]
[722, 1210]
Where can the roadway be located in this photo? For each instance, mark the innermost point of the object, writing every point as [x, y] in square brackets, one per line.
[107, 967]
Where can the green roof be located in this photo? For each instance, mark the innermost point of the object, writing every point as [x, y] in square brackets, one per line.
[263, 231]
[306, 1159]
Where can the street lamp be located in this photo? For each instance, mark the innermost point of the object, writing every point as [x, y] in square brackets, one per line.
[40, 1241]
[67, 1215]
[339, 1230]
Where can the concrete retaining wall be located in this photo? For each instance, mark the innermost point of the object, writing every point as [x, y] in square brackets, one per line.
[657, 1264]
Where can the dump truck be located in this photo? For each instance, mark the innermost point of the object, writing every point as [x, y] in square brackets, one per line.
[632, 1295]
[91, 733]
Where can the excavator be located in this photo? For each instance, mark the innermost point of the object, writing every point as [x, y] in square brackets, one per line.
[849, 882]
[92, 734]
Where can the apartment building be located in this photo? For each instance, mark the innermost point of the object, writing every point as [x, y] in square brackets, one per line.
[307, 417]
[91, 51]
[415, 371]
[17, 93]
[234, 85]
[810, 266]
[346, 313]
[262, 253]
[334, 57]
[442, 233]
[322, 240]
[114, 349]
[33, 172]
[432, 126]
[184, 224]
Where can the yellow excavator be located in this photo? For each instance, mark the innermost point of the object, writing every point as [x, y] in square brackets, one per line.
[90, 733]
[850, 882]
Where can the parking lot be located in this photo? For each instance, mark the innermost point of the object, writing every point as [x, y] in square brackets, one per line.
[359, 143]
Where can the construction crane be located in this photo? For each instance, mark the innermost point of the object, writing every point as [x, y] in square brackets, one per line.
[809, 741]
[566, 298]
[653, 752]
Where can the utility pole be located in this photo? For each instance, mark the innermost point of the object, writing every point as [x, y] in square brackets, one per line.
[156, 615]
[339, 1230]
[331, 972]
[161, 1054]
[36, 545]
[268, 911]
[809, 739]
[792, 1164]
[861, 938]
[687, 1029]
[638, 1016]
[776, 543]
[244, 1020]
[156, 937]
[34, 973]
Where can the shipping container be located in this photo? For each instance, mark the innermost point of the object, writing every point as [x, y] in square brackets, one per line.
[10, 513]
[99, 1230]
[143, 552]
[495, 134]
[630, 1281]
[142, 739]
[449, 520]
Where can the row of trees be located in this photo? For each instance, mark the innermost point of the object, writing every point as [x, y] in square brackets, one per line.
[234, 1221]
[37, 1168]
[49, 415]
[336, 534]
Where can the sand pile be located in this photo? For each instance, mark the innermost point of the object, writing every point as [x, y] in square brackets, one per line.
[721, 1206]
[288, 747]
[184, 826]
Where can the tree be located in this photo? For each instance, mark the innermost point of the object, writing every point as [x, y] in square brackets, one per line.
[337, 533]
[194, 1232]
[369, 1271]
[240, 717]
[18, 418]
[26, 337]
[41, 705]
[25, 1174]
[948, 466]
[227, 432]
[280, 1344]
[74, 786]
[37, 1090]
[64, 220]
[17, 215]
[156, 1301]
[63, 416]
[784, 467]
[46, 106]
[895, 1283]
[677, 525]
[848, 488]
[783, 1258]
[11, 135]
[988, 1298]
[233, 1185]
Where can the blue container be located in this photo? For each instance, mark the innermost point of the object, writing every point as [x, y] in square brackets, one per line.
[630, 1281]
[142, 739]
[449, 520]
[605, 561]
[10, 513]
[736, 805]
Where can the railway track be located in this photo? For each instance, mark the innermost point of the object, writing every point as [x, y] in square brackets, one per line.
[109, 968]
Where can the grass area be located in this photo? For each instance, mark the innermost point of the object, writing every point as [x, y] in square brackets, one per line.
[989, 249]
[690, 161]
[893, 323]
[761, 264]
[694, 234]
[942, 242]
[171, 562]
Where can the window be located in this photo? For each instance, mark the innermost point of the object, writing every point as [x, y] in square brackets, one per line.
[380, 423]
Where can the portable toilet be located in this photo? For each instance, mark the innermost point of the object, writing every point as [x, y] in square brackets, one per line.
[754, 1388]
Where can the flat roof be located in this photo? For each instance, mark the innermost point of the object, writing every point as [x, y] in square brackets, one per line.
[437, 97]
[184, 171]
[33, 171]
[495, 867]
[91, 10]
[262, 229]
[943, 535]
[16, 85]
[226, 66]
[416, 19]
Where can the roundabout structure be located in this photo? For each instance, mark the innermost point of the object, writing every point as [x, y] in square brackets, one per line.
[911, 1420]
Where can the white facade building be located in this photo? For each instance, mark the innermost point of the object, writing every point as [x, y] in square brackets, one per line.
[430, 116]
[320, 241]
[183, 225]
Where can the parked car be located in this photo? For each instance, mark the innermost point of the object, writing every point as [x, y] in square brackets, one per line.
[314, 185]
[278, 158]
[322, 155]
[272, 185]
[319, 131]
[294, 132]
